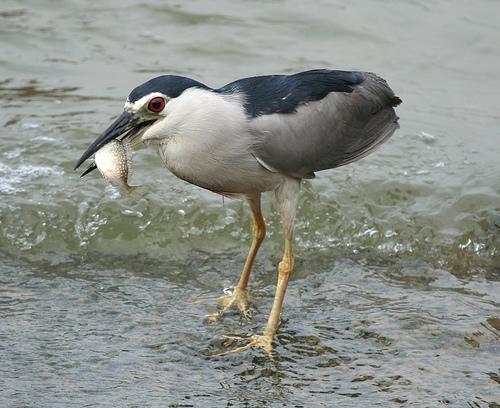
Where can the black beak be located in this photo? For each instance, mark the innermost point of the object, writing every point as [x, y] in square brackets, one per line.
[92, 167]
[125, 122]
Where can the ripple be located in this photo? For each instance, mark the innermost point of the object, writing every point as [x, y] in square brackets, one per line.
[18, 179]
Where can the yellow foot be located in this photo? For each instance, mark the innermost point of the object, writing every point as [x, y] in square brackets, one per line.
[265, 341]
[238, 298]
[213, 317]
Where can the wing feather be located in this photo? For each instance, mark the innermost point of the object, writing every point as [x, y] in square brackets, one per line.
[335, 130]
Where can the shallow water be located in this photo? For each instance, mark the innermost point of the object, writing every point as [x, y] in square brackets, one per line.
[395, 297]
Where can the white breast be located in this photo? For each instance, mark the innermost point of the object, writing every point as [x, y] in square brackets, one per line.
[206, 141]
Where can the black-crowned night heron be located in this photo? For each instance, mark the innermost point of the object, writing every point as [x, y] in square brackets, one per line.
[258, 134]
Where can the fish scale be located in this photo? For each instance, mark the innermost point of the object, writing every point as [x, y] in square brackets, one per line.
[114, 161]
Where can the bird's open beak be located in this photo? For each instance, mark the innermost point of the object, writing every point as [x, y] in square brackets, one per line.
[127, 124]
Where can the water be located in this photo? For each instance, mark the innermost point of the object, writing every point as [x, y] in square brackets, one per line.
[395, 297]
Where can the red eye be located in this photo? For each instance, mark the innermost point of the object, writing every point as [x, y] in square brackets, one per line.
[156, 104]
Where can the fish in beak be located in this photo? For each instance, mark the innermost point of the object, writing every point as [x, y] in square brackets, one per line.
[128, 125]
[114, 161]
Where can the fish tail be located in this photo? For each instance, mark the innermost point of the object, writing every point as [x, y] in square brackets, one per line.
[137, 192]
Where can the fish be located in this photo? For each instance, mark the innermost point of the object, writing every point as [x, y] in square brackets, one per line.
[114, 161]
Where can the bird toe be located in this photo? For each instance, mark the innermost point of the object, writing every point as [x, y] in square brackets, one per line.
[239, 298]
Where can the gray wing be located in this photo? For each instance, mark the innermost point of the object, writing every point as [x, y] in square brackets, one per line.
[336, 130]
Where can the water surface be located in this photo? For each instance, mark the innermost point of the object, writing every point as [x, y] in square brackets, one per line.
[394, 300]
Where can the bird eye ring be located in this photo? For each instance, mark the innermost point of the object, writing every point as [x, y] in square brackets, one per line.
[156, 104]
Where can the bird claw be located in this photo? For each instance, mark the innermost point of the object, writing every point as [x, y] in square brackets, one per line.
[213, 317]
[239, 298]
[265, 341]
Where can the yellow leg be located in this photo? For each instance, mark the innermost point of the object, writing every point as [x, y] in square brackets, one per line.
[284, 271]
[240, 295]
[266, 339]
[287, 198]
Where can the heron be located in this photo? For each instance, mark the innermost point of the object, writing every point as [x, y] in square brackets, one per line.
[258, 134]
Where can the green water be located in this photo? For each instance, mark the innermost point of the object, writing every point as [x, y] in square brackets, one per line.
[395, 297]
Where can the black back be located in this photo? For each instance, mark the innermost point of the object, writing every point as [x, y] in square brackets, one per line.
[283, 93]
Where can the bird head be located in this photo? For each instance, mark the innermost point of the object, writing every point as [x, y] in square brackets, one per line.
[144, 110]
